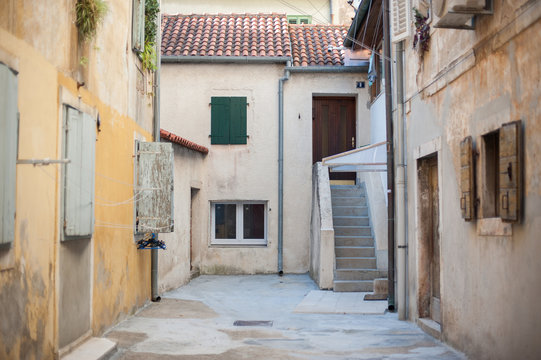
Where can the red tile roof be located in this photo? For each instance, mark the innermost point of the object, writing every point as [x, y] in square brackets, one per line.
[310, 44]
[252, 35]
[164, 134]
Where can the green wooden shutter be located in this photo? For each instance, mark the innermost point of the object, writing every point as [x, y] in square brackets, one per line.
[237, 130]
[138, 25]
[8, 152]
[467, 179]
[510, 171]
[220, 118]
[80, 145]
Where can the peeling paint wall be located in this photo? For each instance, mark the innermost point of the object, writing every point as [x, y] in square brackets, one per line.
[470, 83]
[39, 41]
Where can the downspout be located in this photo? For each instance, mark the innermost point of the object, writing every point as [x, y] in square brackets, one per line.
[390, 154]
[156, 134]
[281, 169]
[331, 11]
[400, 185]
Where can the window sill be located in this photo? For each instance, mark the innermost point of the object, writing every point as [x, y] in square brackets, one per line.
[238, 245]
[494, 227]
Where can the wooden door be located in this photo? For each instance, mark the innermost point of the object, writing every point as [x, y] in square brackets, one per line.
[429, 240]
[333, 129]
[435, 312]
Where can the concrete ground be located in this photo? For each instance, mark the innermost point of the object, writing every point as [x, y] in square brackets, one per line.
[293, 320]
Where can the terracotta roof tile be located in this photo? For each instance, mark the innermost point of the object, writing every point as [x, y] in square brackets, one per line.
[164, 134]
[225, 35]
[310, 44]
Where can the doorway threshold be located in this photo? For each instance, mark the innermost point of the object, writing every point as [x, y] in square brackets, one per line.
[430, 327]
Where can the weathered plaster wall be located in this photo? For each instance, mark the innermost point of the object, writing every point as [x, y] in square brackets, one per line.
[174, 263]
[299, 91]
[249, 172]
[39, 40]
[487, 282]
[230, 172]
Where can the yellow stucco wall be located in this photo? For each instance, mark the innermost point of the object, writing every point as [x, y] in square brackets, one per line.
[48, 71]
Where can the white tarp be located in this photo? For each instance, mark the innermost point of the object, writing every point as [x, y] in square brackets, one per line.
[370, 158]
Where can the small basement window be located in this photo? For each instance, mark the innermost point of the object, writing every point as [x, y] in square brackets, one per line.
[239, 223]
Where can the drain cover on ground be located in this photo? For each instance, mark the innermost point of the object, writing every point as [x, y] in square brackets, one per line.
[252, 323]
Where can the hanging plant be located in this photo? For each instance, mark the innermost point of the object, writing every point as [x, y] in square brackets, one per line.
[89, 15]
[421, 39]
[148, 56]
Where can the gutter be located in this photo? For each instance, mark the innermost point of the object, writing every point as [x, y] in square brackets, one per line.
[225, 59]
[156, 134]
[329, 69]
[390, 158]
[281, 168]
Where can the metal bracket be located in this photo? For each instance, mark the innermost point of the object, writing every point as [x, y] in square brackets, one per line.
[45, 161]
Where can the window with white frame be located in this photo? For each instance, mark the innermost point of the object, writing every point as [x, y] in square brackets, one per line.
[239, 223]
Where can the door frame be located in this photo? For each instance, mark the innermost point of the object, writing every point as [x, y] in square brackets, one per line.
[354, 131]
[423, 153]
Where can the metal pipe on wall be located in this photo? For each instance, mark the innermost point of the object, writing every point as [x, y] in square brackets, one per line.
[156, 134]
[281, 169]
[390, 155]
[400, 186]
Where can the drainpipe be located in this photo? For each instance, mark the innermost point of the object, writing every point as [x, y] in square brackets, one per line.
[156, 134]
[390, 154]
[331, 11]
[281, 169]
[400, 185]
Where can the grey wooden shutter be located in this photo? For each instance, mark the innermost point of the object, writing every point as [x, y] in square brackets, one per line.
[154, 187]
[8, 152]
[138, 25]
[467, 189]
[80, 143]
[510, 171]
[400, 20]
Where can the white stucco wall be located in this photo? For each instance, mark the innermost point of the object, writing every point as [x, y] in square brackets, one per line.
[250, 172]
[298, 93]
[174, 263]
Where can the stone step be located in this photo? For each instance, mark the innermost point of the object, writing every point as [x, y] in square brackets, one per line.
[358, 274]
[352, 230]
[354, 251]
[353, 286]
[353, 241]
[350, 211]
[351, 221]
[356, 263]
[347, 191]
[348, 201]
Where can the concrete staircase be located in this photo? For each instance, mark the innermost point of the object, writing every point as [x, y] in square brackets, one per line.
[356, 266]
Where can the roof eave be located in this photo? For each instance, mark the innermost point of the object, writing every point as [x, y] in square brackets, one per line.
[329, 69]
[360, 14]
[225, 59]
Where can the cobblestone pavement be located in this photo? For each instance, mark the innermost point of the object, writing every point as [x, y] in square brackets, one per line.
[197, 321]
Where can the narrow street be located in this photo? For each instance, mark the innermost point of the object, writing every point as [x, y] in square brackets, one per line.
[293, 320]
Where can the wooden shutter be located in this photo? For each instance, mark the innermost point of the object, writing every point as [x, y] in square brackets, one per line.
[219, 123]
[400, 20]
[510, 171]
[154, 187]
[138, 25]
[80, 143]
[8, 152]
[237, 130]
[467, 188]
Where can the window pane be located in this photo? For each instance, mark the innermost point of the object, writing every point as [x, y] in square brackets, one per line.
[254, 221]
[225, 221]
